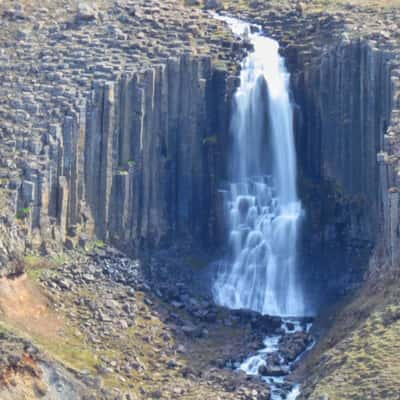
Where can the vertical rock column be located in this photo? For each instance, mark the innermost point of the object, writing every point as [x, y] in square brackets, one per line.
[389, 167]
[346, 110]
[137, 162]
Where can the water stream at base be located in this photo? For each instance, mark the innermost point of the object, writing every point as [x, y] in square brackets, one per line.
[262, 207]
[252, 365]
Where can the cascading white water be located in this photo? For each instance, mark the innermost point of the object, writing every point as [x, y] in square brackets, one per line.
[262, 205]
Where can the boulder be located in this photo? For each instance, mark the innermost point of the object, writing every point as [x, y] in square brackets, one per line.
[266, 323]
[86, 13]
[292, 345]
[273, 370]
[192, 331]
[212, 4]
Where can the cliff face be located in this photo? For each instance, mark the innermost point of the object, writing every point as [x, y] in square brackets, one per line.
[111, 119]
[346, 131]
[346, 101]
[136, 164]
[135, 154]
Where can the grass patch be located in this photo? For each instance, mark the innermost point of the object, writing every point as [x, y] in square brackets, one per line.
[358, 358]
[71, 349]
[95, 244]
[36, 266]
[68, 348]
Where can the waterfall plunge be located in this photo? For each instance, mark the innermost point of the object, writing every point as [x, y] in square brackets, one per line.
[262, 206]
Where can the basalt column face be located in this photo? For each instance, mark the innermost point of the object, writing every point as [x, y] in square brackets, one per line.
[149, 165]
[347, 111]
[137, 163]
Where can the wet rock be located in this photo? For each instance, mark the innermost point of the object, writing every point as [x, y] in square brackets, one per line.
[292, 345]
[266, 323]
[290, 326]
[273, 370]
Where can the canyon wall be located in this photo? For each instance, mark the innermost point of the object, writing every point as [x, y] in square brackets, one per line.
[93, 147]
[347, 134]
[136, 164]
[140, 159]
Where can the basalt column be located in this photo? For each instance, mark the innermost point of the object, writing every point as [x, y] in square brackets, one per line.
[346, 131]
[139, 159]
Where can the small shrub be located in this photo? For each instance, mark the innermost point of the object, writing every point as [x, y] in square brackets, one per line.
[23, 213]
[210, 140]
[99, 243]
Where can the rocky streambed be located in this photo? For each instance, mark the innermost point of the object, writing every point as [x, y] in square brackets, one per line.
[276, 360]
[272, 348]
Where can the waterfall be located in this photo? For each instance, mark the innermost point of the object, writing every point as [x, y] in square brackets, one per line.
[263, 211]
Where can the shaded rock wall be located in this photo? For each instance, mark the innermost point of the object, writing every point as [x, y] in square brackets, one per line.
[348, 100]
[137, 164]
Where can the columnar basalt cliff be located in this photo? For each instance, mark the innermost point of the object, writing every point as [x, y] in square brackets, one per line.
[114, 133]
[344, 69]
[346, 131]
[107, 134]
[136, 156]
[140, 156]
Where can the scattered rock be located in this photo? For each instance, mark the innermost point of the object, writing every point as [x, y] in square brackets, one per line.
[213, 4]
[86, 13]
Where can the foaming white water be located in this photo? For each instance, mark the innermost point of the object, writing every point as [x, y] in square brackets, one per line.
[252, 365]
[262, 205]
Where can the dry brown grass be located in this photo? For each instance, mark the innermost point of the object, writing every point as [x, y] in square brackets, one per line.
[22, 304]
